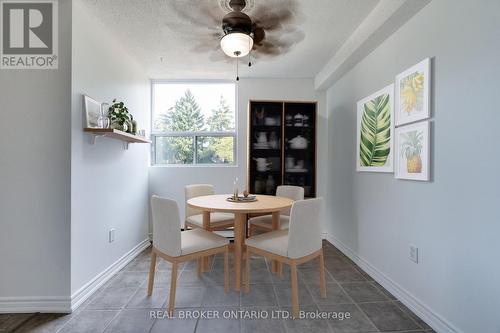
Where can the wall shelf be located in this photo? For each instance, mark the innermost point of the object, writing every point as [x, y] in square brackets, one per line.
[115, 134]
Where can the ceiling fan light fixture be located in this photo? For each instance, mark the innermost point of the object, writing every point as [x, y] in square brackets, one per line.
[236, 44]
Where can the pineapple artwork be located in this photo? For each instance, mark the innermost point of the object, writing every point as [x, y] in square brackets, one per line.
[412, 145]
[412, 94]
[411, 148]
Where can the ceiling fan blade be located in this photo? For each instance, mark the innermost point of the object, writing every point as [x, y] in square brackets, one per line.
[197, 12]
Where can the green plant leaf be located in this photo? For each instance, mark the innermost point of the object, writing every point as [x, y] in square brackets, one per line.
[375, 134]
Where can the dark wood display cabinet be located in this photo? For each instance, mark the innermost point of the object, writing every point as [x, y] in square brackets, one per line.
[281, 146]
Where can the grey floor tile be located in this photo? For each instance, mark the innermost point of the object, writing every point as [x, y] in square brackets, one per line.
[9, 322]
[221, 324]
[284, 295]
[141, 300]
[348, 319]
[94, 321]
[302, 325]
[384, 291]
[259, 276]
[177, 325]
[262, 295]
[334, 294]
[346, 273]
[263, 320]
[215, 296]
[161, 280]
[111, 299]
[163, 265]
[388, 317]
[216, 277]
[311, 276]
[364, 292]
[127, 280]
[43, 323]
[137, 265]
[131, 321]
[190, 278]
[416, 318]
[186, 297]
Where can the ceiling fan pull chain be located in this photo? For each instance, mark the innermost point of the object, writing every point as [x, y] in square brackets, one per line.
[237, 69]
[249, 59]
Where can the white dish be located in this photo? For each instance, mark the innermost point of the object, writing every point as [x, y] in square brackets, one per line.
[296, 170]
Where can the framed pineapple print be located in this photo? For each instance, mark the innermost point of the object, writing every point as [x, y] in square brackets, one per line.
[375, 131]
[412, 151]
[412, 95]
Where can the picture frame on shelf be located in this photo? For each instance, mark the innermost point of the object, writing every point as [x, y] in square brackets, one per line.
[92, 112]
[413, 151]
[412, 93]
[375, 131]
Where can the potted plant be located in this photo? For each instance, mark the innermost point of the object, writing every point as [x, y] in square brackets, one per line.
[411, 148]
[119, 116]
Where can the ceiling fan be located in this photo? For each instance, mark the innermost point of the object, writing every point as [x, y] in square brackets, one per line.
[243, 27]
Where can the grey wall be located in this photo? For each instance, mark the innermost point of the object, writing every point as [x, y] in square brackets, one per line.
[454, 219]
[109, 185]
[35, 157]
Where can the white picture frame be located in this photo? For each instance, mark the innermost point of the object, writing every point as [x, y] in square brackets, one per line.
[412, 93]
[92, 111]
[373, 165]
[405, 146]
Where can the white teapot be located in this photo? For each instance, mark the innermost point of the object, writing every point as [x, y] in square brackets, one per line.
[299, 142]
[261, 137]
[262, 163]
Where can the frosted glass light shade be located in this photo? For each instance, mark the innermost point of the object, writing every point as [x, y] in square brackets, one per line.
[236, 44]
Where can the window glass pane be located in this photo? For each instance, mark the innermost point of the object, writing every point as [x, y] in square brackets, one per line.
[174, 150]
[215, 150]
[193, 107]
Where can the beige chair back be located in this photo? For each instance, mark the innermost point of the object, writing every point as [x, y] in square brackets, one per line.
[196, 190]
[304, 233]
[166, 226]
[291, 192]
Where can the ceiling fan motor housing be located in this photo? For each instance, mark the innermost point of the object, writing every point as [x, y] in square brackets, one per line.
[237, 22]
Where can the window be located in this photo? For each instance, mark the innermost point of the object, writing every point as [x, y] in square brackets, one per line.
[193, 123]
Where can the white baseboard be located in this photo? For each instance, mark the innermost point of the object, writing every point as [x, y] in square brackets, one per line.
[93, 285]
[433, 319]
[49, 304]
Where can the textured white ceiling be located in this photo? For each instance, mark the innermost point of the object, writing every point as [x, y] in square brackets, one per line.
[151, 30]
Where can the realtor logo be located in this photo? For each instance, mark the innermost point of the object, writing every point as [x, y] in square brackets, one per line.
[28, 34]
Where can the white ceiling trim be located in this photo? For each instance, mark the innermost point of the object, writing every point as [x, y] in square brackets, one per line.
[385, 18]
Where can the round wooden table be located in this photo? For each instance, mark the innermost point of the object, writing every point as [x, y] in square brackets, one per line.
[218, 203]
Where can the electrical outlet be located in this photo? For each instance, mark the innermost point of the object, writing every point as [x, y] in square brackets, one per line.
[112, 235]
[414, 253]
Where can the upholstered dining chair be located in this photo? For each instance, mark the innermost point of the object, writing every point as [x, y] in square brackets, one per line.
[174, 246]
[264, 222]
[301, 243]
[194, 217]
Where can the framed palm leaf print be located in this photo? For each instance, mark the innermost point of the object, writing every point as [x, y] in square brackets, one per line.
[412, 95]
[375, 131]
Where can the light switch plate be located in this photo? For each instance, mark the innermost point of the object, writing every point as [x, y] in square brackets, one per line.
[414, 253]
[112, 235]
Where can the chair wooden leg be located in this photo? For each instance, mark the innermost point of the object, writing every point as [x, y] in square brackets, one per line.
[199, 264]
[173, 283]
[226, 270]
[295, 290]
[280, 270]
[247, 271]
[322, 284]
[152, 268]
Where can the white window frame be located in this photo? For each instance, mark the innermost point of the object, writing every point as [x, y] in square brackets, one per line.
[194, 135]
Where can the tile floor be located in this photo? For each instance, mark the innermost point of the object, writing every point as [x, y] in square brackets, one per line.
[121, 305]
